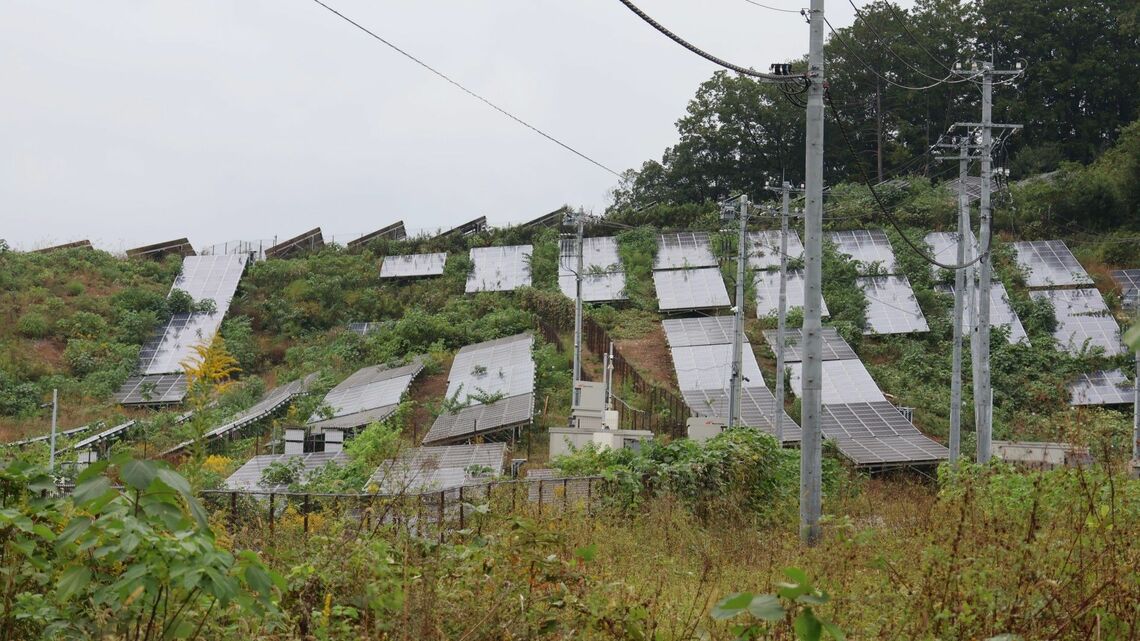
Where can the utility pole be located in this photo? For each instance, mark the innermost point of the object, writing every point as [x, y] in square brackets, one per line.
[1136, 415]
[811, 445]
[959, 296]
[734, 390]
[579, 220]
[983, 394]
[782, 313]
[54, 416]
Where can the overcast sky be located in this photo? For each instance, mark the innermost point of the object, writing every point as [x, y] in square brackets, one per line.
[131, 122]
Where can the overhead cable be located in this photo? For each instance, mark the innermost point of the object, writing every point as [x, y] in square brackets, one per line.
[468, 91]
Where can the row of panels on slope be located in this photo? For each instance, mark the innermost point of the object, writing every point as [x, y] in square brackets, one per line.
[159, 378]
[701, 350]
[603, 278]
[685, 273]
[490, 392]
[868, 429]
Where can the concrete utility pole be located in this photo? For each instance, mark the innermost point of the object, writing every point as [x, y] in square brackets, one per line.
[959, 296]
[782, 313]
[735, 388]
[579, 220]
[983, 393]
[811, 445]
[1136, 419]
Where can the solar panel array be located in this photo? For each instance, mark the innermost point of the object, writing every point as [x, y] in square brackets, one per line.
[764, 248]
[843, 382]
[768, 293]
[365, 329]
[891, 306]
[269, 404]
[438, 468]
[973, 187]
[1129, 282]
[503, 370]
[683, 250]
[202, 277]
[370, 394]
[1106, 387]
[413, 265]
[866, 246]
[249, 476]
[499, 269]
[1001, 313]
[1049, 263]
[110, 434]
[603, 278]
[834, 347]
[702, 358]
[152, 389]
[690, 289]
[1083, 318]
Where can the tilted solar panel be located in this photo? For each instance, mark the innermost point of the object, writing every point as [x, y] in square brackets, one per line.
[690, 289]
[1083, 319]
[499, 269]
[709, 367]
[413, 265]
[439, 468]
[843, 382]
[683, 250]
[833, 345]
[249, 477]
[1049, 263]
[1106, 387]
[768, 293]
[867, 246]
[764, 248]
[891, 306]
[1129, 282]
[708, 330]
[1001, 313]
[152, 389]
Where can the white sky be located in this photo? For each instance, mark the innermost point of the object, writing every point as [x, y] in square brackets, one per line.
[131, 122]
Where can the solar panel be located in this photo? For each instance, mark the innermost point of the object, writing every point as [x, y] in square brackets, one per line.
[152, 389]
[973, 187]
[1106, 387]
[466, 229]
[944, 247]
[683, 250]
[768, 293]
[603, 278]
[843, 382]
[479, 419]
[1129, 282]
[78, 244]
[1048, 263]
[499, 269]
[248, 477]
[502, 366]
[690, 289]
[439, 468]
[308, 241]
[1082, 318]
[891, 306]
[1001, 313]
[212, 277]
[113, 433]
[834, 347]
[365, 329]
[757, 408]
[764, 248]
[180, 247]
[709, 367]
[708, 330]
[395, 231]
[413, 265]
[866, 246]
[370, 394]
[893, 451]
[269, 404]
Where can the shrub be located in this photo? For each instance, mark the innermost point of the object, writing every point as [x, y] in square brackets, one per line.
[33, 325]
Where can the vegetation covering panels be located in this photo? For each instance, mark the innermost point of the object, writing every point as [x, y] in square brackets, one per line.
[413, 265]
[284, 470]
[866, 246]
[764, 248]
[1105, 387]
[603, 277]
[1083, 320]
[1129, 282]
[683, 250]
[152, 389]
[891, 306]
[1001, 313]
[370, 394]
[427, 469]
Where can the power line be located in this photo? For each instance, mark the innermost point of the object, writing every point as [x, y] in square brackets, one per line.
[764, 6]
[886, 46]
[902, 23]
[947, 80]
[744, 71]
[466, 90]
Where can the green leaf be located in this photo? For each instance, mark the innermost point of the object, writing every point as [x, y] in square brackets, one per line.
[91, 471]
[731, 605]
[77, 526]
[807, 626]
[766, 607]
[138, 474]
[174, 480]
[90, 491]
[819, 597]
[833, 630]
[587, 553]
[72, 581]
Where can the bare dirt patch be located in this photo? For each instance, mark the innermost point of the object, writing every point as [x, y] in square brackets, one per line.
[649, 355]
[427, 391]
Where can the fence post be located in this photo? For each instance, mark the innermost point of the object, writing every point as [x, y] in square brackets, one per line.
[590, 496]
[271, 510]
[305, 507]
[440, 523]
[540, 497]
[233, 509]
[565, 494]
[461, 521]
